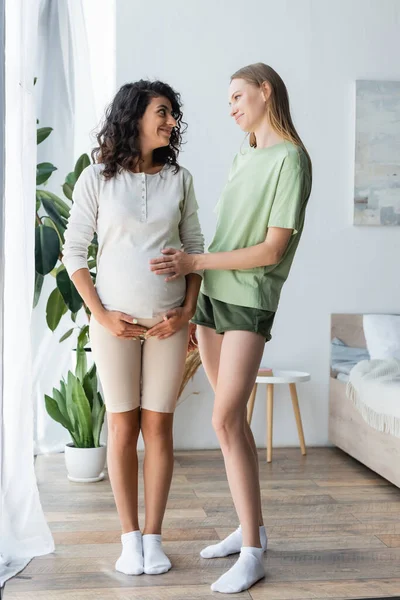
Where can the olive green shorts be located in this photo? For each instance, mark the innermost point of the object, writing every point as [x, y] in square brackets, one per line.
[223, 317]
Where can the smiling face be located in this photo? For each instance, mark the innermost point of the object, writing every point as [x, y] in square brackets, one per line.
[156, 125]
[247, 103]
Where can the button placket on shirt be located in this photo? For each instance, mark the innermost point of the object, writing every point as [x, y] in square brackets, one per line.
[143, 203]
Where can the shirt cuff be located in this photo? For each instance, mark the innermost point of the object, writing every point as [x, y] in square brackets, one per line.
[72, 265]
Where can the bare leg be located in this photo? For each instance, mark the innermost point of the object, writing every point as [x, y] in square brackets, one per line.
[240, 359]
[158, 466]
[250, 439]
[122, 460]
[157, 471]
[210, 344]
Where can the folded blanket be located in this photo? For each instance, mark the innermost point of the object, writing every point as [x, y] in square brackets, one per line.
[374, 388]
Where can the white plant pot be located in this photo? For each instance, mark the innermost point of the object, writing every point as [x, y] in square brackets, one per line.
[85, 465]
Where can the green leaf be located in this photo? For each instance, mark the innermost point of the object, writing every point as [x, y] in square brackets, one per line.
[73, 317]
[54, 216]
[89, 389]
[90, 385]
[38, 288]
[84, 414]
[43, 172]
[60, 230]
[98, 412]
[54, 271]
[71, 179]
[61, 206]
[34, 80]
[81, 164]
[63, 390]
[66, 335]
[54, 412]
[43, 133]
[55, 309]
[83, 337]
[47, 249]
[49, 223]
[60, 268]
[67, 189]
[81, 364]
[92, 371]
[72, 410]
[92, 264]
[68, 291]
[62, 405]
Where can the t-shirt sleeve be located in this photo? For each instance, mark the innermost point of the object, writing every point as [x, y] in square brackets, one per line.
[82, 221]
[289, 197]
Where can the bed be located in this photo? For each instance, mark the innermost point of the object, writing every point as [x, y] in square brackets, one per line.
[380, 451]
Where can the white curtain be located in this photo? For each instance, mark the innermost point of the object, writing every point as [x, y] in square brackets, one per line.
[66, 103]
[24, 532]
[2, 232]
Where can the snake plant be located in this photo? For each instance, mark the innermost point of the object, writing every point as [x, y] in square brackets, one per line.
[78, 405]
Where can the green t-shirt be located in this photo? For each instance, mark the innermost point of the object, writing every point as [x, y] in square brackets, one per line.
[267, 187]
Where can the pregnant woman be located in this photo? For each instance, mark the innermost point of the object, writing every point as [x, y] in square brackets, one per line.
[138, 200]
[260, 220]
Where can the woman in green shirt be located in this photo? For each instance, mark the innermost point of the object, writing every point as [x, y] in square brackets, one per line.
[260, 220]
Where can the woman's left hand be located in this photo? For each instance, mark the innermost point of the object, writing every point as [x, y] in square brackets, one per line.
[174, 263]
[173, 321]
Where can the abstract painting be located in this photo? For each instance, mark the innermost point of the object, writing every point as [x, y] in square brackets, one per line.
[377, 157]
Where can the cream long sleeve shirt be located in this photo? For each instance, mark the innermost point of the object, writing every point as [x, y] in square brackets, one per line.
[135, 216]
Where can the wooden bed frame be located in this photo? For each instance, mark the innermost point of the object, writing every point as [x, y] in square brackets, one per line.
[347, 428]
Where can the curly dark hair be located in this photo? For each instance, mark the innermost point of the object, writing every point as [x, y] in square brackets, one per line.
[118, 139]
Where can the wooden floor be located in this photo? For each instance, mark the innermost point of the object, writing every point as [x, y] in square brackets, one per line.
[333, 525]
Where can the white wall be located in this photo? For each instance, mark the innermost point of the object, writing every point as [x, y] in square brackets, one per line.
[100, 31]
[320, 48]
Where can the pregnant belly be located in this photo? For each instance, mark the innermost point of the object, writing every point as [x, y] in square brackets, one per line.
[124, 282]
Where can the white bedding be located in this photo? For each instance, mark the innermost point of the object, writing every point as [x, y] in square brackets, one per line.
[374, 388]
[343, 377]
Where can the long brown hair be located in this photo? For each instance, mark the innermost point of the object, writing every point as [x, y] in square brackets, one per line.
[278, 110]
[118, 139]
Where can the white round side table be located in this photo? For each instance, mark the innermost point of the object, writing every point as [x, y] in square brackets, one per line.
[290, 378]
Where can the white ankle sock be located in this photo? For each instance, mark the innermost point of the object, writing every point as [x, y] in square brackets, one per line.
[131, 560]
[155, 559]
[232, 544]
[247, 570]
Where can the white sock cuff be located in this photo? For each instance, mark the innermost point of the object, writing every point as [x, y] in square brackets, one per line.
[131, 535]
[152, 537]
[257, 552]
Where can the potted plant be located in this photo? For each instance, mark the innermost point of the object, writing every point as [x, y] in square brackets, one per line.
[78, 406]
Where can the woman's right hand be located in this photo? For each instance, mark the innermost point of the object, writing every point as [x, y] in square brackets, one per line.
[120, 324]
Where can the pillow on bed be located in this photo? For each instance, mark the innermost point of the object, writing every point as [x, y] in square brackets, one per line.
[382, 334]
[344, 358]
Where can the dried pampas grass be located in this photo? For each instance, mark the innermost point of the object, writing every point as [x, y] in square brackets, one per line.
[193, 361]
